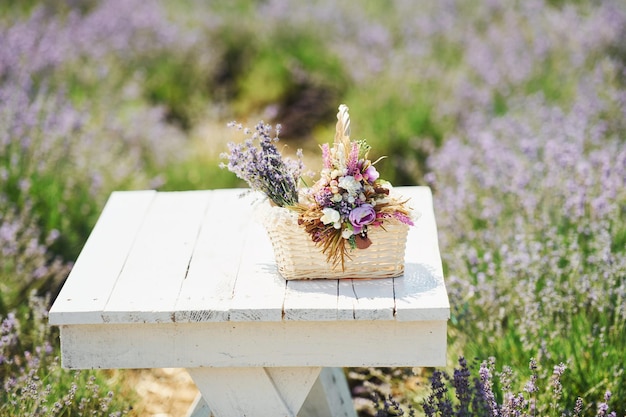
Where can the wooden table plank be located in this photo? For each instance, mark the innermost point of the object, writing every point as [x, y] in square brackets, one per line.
[95, 272]
[371, 299]
[345, 300]
[267, 344]
[259, 291]
[374, 299]
[149, 284]
[421, 293]
[207, 290]
[311, 300]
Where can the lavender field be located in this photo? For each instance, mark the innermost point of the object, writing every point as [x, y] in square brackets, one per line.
[513, 112]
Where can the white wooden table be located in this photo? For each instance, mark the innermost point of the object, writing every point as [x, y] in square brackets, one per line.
[187, 280]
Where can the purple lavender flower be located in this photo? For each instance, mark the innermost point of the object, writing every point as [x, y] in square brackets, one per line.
[486, 375]
[603, 407]
[461, 384]
[578, 408]
[438, 402]
[537, 192]
[263, 167]
[324, 197]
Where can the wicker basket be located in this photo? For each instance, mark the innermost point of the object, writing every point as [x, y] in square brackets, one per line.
[298, 257]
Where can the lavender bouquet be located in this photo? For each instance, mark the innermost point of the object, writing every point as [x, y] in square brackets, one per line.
[342, 208]
[262, 165]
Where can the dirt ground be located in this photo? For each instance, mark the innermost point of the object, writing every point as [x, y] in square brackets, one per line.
[165, 392]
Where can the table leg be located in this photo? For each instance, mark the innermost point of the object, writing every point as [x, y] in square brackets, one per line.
[199, 408]
[258, 392]
[329, 397]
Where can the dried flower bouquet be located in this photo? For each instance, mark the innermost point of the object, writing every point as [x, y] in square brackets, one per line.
[340, 213]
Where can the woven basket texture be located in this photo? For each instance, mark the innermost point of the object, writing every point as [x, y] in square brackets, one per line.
[299, 258]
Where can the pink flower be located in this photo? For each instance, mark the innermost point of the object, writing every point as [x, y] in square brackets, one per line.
[353, 160]
[326, 158]
[362, 216]
[371, 174]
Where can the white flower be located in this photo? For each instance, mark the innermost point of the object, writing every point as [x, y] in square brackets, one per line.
[346, 233]
[352, 186]
[383, 200]
[331, 216]
[325, 176]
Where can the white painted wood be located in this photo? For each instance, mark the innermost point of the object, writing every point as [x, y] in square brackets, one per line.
[361, 299]
[329, 397]
[314, 300]
[345, 300]
[258, 392]
[294, 383]
[149, 283]
[198, 408]
[259, 292]
[94, 274]
[422, 241]
[207, 289]
[239, 392]
[421, 293]
[374, 299]
[268, 344]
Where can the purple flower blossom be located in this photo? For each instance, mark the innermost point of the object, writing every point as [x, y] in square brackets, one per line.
[324, 197]
[603, 407]
[361, 216]
[486, 375]
[371, 174]
[461, 384]
[438, 402]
